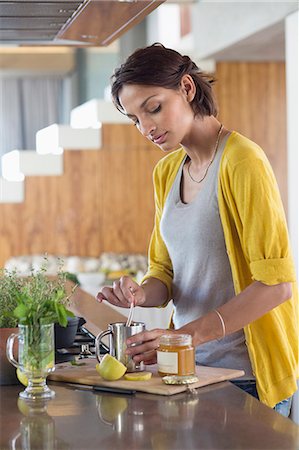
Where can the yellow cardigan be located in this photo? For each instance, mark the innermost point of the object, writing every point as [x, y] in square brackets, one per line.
[258, 247]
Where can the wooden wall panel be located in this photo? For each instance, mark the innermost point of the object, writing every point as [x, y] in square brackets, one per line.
[102, 202]
[252, 100]
[127, 190]
[104, 199]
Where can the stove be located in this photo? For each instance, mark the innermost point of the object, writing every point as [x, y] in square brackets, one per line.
[83, 346]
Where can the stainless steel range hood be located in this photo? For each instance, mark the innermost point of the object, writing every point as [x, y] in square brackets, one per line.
[74, 23]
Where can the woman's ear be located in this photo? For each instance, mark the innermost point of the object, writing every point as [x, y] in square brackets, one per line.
[188, 87]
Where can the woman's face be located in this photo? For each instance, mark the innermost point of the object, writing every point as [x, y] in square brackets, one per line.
[164, 116]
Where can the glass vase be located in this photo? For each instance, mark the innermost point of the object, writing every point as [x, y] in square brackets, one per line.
[36, 358]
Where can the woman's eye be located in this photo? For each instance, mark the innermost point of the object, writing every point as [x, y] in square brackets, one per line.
[156, 110]
[135, 122]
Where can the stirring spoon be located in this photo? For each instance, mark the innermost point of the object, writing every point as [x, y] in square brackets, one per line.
[130, 316]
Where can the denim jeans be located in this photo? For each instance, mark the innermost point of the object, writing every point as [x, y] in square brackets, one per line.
[249, 386]
[284, 407]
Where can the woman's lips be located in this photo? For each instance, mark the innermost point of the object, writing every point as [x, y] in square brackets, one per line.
[160, 139]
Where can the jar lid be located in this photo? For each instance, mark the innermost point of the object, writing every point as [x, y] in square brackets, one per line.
[175, 379]
[175, 339]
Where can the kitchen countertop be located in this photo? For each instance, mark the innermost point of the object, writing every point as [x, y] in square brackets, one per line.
[219, 416]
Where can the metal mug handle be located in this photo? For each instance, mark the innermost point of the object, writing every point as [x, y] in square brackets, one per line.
[9, 349]
[14, 441]
[98, 342]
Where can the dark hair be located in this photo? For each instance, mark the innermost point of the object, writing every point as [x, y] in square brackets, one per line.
[157, 65]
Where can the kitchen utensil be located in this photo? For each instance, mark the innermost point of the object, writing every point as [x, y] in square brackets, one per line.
[130, 316]
[118, 334]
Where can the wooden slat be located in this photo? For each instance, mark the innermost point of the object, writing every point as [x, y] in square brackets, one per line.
[252, 101]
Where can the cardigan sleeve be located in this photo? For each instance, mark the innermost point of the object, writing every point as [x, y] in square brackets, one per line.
[260, 219]
[159, 264]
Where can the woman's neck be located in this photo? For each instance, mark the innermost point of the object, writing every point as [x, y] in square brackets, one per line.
[200, 143]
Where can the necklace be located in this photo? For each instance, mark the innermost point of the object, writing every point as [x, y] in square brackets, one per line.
[213, 157]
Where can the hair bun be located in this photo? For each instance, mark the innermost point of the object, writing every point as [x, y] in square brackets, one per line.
[188, 66]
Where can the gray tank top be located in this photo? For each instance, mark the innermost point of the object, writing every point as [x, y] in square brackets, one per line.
[202, 279]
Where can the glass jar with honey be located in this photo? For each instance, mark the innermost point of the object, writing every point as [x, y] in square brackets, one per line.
[176, 355]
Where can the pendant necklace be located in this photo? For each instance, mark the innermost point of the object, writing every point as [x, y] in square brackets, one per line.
[213, 157]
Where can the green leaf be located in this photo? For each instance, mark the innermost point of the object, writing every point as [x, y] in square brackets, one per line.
[62, 315]
[20, 312]
[75, 363]
[72, 277]
[35, 299]
[69, 313]
[59, 295]
[18, 297]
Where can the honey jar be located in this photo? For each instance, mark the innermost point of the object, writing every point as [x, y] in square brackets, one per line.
[176, 355]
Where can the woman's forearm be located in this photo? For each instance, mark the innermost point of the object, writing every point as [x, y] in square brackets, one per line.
[156, 292]
[246, 307]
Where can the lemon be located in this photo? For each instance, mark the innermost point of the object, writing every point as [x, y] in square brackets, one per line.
[160, 440]
[49, 361]
[110, 368]
[23, 406]
[110, 408]
[138, 376]
[22, 377]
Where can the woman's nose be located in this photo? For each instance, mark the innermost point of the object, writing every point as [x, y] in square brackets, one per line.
[147, 127]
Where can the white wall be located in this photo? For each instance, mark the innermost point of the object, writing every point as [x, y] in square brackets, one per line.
[292, 78]
[221, 24]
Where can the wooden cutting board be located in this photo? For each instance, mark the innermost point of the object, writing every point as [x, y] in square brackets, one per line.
[87, 375]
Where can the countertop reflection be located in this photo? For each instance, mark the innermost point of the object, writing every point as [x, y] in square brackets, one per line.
[219, 416]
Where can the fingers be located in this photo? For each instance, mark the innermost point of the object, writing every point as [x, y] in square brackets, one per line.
[122, 293]
[146, 336]
[107, 293]
[100, 297]
[139, 351]
[119, 293]
[151, 361]
[131, 290]
[143, 346]
[148, 358]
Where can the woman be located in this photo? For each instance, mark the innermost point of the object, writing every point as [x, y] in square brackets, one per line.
[220, 245]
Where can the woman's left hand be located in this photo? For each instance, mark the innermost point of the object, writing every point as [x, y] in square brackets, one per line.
[145, 345]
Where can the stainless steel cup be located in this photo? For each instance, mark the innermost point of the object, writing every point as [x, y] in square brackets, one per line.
[118, 334]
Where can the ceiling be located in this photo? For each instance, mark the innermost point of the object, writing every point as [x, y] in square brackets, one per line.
[265, 45]
[69, 22]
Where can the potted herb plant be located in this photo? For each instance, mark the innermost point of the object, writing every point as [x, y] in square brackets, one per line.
[33, 303]
[10, 283]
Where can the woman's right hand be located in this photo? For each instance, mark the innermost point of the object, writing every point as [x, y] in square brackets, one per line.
[122, 293]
